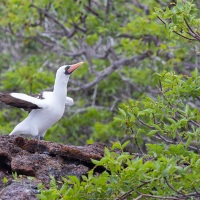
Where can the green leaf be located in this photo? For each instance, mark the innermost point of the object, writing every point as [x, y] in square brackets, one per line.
[117, 119]
[125, 144]
[63, 189]
[96, 162]
[40, 186]
[183, 122]
[5, 180]
[174, 19]
[153, 132]
[122, 112]
[74, 179]
[107, 152]
[195, 73]
[41, 196]
[116, 145]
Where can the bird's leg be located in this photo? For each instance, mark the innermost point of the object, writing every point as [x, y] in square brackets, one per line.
[41, 138]
[42, 135]
[37, 137]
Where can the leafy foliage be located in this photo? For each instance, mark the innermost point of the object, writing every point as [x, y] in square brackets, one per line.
[165, 171]
[173, 117]
[166, 163]
[181, 19]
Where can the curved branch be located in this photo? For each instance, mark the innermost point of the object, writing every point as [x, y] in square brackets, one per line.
[109, 70]
[67, 33]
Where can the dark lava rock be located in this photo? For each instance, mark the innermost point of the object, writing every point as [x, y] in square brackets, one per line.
[39, 160]
[21, 189]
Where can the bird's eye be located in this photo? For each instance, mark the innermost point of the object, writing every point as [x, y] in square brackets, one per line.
[66, 70]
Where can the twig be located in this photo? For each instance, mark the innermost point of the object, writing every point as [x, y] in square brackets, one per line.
[94, 95]
[67, 33]
[196, 191]
[171, 142]
[136, 142]
[195, 194]
[89, 9]
[158, 197]
[172, 188]
[176, 31]
[165, 140]
[124, 196]
[189, 27]
[154, 119]
[191, 121]
[142, 122]
[192, 39]
[81, 110]
[107, 7]
[139, 197]
[162, 21]
[114, 103]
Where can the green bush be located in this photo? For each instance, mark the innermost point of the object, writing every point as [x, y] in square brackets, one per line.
[165, 163]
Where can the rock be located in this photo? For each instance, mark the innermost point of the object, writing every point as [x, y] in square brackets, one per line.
[21, 189]
[39, 160]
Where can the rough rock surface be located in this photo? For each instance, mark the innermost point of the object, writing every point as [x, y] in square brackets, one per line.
[40, 159]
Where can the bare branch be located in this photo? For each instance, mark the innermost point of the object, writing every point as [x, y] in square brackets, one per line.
[107, 7]
[107, 71]
[89, 9]
[171, 142]
[139, 197]
[124, 196]
[192, 39]
[164, 139]
[77, 53]
[129, 82]
[147, 125]
[94, 95]
[162, 21]
[67, 33]
[158, 197]
[114, 103]
[189, 27]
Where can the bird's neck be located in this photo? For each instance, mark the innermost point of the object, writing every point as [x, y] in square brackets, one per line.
[60, 89]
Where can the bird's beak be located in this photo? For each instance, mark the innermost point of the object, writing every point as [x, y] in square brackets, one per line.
[73, 67]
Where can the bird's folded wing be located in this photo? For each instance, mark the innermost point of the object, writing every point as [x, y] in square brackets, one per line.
[68, 102]
[21, 100]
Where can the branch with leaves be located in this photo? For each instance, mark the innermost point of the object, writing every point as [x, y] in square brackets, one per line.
[180, 19]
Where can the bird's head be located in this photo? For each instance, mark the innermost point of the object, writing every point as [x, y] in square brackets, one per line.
[70, 68]
[66, 70]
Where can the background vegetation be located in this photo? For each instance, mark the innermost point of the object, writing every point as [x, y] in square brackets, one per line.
[122, 43]
[142, 70]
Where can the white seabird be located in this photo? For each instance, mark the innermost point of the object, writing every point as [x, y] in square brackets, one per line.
[44, 112]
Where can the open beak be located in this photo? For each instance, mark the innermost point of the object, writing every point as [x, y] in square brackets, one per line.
[73, 67]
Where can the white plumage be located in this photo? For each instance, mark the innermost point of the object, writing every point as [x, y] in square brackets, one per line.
[44, 112]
